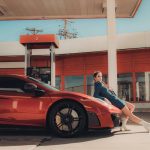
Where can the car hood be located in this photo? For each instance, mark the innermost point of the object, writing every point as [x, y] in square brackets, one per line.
[83, 97]
[74, 94]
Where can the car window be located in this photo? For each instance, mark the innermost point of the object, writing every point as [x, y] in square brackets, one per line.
[11, 84]
[43, 84]
[11, 89]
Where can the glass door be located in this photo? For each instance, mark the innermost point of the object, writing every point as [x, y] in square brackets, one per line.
[140, 86]
[125, 86]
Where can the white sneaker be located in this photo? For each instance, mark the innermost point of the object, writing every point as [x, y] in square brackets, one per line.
[147, 127]
[123, 126]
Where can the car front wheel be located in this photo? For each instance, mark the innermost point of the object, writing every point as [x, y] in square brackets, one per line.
[67, 119]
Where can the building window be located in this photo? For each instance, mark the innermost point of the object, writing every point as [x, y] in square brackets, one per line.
[90, 83]
[140, 87]
[125, 88]
[74, 83]
[147, 85]
[58, 81]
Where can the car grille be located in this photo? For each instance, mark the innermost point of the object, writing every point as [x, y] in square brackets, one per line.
[116, 120]
[93, 119]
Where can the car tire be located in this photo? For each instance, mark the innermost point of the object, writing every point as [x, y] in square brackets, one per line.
[67, 119]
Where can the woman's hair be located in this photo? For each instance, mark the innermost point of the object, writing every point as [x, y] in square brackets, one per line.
[96, 73]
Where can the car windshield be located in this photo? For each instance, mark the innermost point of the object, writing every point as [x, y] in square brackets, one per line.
[43, 84]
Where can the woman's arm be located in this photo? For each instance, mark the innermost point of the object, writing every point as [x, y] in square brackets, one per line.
[107, 101]
[98, 86]
[102, 98]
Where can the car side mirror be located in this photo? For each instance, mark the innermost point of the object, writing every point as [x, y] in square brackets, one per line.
[39, 92]
[30, 87]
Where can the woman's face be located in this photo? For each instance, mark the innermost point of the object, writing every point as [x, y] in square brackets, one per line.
[98, 77]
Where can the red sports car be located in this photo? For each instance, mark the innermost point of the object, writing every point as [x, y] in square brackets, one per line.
[30, 102]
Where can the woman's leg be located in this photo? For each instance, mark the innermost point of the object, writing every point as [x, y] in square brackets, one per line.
[130, 115]
[136, 119]
[124, 119]
[130, 106]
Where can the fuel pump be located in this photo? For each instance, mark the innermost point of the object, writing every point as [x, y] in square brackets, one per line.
[39, 41]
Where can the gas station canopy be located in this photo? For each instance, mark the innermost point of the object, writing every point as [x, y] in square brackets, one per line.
[63, 9]
[39, 41]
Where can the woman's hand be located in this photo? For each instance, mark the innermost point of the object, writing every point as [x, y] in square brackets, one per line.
[107, 101]
[110, 89]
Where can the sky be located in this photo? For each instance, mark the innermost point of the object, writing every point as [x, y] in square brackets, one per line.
[11, 30]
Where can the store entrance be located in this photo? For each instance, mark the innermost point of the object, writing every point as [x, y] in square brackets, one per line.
[125, 91]
[125, 86]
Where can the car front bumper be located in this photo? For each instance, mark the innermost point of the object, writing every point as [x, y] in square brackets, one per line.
[116, 119]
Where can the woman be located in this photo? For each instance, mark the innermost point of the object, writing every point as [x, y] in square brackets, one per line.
[130, 106]
[102, 92]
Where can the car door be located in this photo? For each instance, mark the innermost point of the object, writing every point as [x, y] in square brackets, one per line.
[8, 93]
[20, 107]
[31, 109]
[5, 107]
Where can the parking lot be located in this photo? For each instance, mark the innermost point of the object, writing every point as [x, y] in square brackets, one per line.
[137, 139]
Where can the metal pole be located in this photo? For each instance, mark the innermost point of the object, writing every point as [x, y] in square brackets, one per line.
[52, 56]
[147, 86]
[65, 29]
[112, 52]
[26, 60]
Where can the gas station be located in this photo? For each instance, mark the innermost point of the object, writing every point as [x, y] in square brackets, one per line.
[113, 37]
[109, 9]
[40, 41]
[122, 57]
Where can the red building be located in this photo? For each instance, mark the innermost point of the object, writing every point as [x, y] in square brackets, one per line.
[74, 71]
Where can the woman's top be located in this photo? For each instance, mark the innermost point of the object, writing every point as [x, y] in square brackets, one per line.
[100, 91]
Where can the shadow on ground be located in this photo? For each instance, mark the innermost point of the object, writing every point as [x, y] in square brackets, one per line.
[17, 137]
[38, 137]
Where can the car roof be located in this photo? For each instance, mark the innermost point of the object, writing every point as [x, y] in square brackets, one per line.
[13, 75]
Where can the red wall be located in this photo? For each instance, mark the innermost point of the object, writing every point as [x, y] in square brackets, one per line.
[83, 64]
[11, 71]
[133, 61]
[77, 64]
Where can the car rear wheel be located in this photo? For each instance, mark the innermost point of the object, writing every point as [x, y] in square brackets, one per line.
[67, 119]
